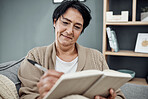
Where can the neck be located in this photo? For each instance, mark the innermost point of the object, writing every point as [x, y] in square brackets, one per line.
[65, 50]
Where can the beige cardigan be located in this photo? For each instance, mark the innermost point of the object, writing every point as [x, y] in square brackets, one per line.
[46, 56]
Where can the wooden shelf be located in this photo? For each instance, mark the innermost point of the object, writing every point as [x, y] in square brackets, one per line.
[126, 53]
[134, 23]
[127, 23]
[140, 81]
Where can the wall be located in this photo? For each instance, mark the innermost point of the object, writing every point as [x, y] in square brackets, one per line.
[25, 24]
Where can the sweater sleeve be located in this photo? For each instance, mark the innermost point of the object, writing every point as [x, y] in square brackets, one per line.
[99, 60]
[29, 75]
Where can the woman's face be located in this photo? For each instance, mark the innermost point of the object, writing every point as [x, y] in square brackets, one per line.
[68, 27]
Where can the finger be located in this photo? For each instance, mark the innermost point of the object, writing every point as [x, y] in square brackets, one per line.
[43, 95]
[45, 88]
[99, 97]
[46, 84]
[112, 94]
[47, 80]
[52, 73]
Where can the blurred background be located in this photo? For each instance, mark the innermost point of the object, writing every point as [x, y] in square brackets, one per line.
[25, 24]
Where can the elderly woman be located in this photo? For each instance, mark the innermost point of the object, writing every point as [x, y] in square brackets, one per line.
[70, 19]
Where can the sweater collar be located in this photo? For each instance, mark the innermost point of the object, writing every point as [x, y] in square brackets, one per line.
[81, 56]
[54, 55]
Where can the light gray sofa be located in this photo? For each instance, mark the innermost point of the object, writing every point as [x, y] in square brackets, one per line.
[131, 91]
[134, 91]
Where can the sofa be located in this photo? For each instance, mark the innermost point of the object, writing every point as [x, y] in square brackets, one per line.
[8, 71]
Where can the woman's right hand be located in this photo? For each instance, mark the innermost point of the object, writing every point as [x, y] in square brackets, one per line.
[47, 81]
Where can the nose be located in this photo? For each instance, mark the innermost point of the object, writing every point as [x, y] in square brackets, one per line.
[70, 30]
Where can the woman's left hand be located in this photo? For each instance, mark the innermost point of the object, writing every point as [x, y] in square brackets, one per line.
[111, 96]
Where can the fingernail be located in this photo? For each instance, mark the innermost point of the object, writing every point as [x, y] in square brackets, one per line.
[97, 97]
[112, 91]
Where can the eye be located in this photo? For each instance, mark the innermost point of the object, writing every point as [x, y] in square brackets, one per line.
[65, 23]
[77, 27]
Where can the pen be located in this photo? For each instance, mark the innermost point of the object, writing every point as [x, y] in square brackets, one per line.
[37, 65]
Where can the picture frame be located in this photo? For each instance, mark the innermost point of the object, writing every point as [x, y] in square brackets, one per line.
[59, 1]
[142, 43]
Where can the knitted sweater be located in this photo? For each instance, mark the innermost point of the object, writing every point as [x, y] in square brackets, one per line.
[7, 88]
[46, 56]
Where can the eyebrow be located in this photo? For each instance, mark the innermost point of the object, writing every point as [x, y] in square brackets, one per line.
[70, 20]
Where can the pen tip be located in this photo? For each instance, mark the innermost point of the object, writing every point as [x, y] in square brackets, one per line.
[31, 61]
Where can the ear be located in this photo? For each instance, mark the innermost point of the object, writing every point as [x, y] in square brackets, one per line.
[54, 22]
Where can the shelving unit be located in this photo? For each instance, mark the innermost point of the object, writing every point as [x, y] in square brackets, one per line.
[128, 23]
[126, 53]
[139, 81]
[132, 22]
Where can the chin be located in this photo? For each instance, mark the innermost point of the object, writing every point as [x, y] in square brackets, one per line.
[66, 43]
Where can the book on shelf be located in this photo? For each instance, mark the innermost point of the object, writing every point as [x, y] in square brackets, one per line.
[112, 38]
[88, 83]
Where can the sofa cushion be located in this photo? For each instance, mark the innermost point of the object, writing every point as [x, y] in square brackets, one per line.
[135, 91]
[10, 70]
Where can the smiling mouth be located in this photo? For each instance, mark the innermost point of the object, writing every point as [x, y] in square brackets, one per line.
[66, 36]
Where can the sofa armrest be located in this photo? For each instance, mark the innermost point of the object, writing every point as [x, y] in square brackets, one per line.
[10, 70]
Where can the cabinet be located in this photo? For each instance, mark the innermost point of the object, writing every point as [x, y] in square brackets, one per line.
[133, 23]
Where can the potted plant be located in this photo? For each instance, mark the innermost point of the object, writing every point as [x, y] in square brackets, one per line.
[144, 14]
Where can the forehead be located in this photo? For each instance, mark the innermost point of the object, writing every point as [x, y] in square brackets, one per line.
[73, 15]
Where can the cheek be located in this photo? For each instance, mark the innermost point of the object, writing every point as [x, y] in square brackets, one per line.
[59, 29]
[76, 35]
